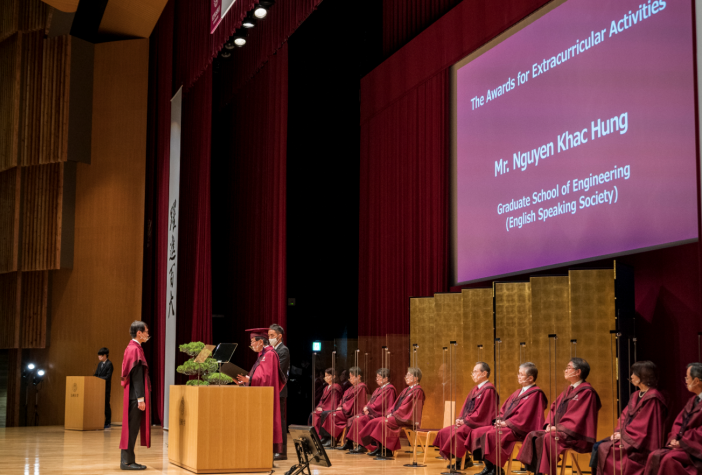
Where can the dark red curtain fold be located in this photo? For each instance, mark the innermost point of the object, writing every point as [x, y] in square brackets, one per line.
[251, 194]
[404, 206]
[405, 19]
[194, 237]
[156, 223]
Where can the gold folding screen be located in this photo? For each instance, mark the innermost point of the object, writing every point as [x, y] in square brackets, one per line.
[579, 307]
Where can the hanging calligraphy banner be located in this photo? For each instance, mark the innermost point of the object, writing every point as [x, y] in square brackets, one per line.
[172, 250]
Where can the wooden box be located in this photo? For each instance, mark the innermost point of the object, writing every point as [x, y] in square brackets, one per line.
[85, 403]
[221, 429]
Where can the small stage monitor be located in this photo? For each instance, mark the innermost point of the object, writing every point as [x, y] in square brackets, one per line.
[307, 436]
[224, 352]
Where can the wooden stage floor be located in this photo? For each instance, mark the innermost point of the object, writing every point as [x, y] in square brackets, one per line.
[51, 450]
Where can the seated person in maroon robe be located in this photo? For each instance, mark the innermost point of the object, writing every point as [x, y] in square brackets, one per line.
[384, 432]
[351, 405]
[573, 415]
[479, 410]
[683, 452]
[519, 415]
[640, 430]
[266, 372]
[380, 403]
[330, 400]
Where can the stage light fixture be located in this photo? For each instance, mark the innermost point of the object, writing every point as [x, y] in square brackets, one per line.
[41, 372]
[39, 377]
[250, 20]
[225, 54]
[240, 37]
[30, 366]
[229, 44]
[260, 13]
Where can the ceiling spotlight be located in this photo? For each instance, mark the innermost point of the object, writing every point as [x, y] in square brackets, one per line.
[225, 54]
[41, 372]
[260, 12]
[249, 21]
[31, 366]
[39, 377]
[229, 44]
[239, 37]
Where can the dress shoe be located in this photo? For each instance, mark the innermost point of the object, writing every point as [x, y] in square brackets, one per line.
[376, 452]
[108, 426]
[359, 450]
[348, 445]
[325, 440]
[484, 471]
[280, 457]
[132, 466]
[467, 462]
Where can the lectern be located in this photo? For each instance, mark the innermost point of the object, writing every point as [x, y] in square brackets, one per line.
[85, 403]
[221, 429]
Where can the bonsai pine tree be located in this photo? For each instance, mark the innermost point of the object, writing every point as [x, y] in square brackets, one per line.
[206, 372]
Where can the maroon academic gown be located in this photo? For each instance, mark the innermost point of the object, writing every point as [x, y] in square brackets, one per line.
[478, 411]
[522, 413]
[577, 429]
[642, 428]
[330, 401]
[382, 398]
[687, 459]
[266, 372]
[352, 404]
[407, 408]
[133, 354]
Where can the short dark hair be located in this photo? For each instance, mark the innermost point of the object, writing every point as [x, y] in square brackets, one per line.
[531, 369]
[137, 326]
[583, 366]
[695, 370]
[265, 339]
[277, 328]
[356, 371]
[416, 372]
[383, 372]
[647, 372]
[330, 371]
[104, 351]
[484, 366]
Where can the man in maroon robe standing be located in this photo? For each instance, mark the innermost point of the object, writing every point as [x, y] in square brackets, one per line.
[683, 453]
[520, 414]
[380, 403]
[640, 430]
[330, 400]
[266, 372]
[479, 410]
[136, 415]
[351, 405]
[572, 420]
[384, 432]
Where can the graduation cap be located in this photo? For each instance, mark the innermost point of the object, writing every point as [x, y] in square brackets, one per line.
[260, 332]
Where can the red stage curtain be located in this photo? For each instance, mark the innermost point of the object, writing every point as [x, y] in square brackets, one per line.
[156, 234]
[404, 19]
[253, 141]
[194, 237]
[404, 207]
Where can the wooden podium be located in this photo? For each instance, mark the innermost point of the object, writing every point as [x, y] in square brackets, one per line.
[221, 429]
[85, 403]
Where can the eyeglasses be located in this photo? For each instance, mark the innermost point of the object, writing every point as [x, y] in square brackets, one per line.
[568, 368]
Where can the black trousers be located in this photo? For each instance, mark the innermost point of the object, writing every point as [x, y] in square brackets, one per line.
[134, 422]
[283, 423]
[108, 409]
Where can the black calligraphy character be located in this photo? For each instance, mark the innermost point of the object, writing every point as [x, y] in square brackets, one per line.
[172, 225]
[171, 306]
[171, 272]
[171, 249]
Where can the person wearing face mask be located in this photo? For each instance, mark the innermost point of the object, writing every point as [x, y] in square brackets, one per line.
[266, 372]
[351, 404]
[572, 420]
[640, 430]
[406, 411]
[479, 410]
[275, 337]
[520, 414]
[683, 452]
[330, 399]
[382, 398]
[104, 371]
[136, 416]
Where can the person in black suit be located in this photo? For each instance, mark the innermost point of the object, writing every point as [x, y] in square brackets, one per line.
[104, 371]
[275, 337]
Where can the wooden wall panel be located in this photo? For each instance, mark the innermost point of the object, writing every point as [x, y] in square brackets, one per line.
[131, 18]
[9, 219]
[42, 194]
[34, 320]
[98, 299]
[10, 292]
[448, 326]
[14, 373]
[478, 329]
[513, 325]
[56, 68]
[23, 15]
[30, 98]
[9, 100]
[423, 328]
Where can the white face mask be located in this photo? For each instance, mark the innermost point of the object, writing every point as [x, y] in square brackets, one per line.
[273, 341]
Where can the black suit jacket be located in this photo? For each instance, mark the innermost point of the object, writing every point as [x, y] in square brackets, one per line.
[284, 357]
[104, 371]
